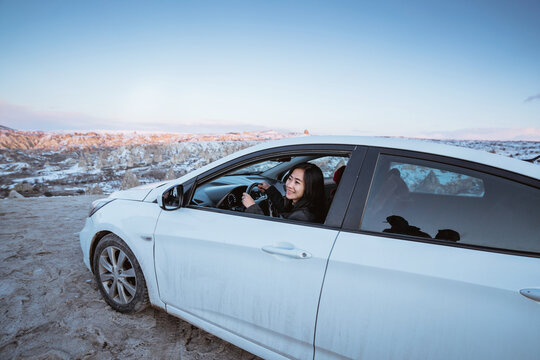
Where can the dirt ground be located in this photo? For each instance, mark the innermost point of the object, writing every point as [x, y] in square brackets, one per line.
[49, 302]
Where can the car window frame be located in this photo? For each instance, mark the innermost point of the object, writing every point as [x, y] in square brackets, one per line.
[359, 196]
[340, 202]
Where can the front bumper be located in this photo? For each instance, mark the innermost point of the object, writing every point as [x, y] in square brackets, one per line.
[85, 237]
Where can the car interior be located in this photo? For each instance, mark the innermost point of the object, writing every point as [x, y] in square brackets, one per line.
[408, 199]
[225, 191]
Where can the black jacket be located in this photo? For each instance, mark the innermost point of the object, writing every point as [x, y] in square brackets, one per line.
[299, 211]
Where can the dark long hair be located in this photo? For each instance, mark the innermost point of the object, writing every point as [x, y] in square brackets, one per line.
[313, 197]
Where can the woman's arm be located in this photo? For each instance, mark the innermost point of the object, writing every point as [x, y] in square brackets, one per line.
[251, 206]
[254, 209]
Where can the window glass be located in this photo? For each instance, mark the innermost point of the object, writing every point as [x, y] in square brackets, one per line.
[329, 164]
[225, 191]
[431, 200]
[257, 168]
[423, 179]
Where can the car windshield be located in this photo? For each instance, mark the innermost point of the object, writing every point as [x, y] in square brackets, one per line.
[256, 169]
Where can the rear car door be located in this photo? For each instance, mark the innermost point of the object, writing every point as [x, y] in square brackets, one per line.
[439, 259]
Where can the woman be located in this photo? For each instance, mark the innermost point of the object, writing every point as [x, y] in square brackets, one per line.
[304, 199]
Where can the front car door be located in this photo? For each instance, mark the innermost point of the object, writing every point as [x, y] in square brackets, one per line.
[251, 279]
[433, 263]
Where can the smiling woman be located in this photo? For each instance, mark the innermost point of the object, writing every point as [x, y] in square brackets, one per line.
[304, 195]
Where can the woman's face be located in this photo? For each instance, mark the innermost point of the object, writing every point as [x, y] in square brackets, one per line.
[295, 185]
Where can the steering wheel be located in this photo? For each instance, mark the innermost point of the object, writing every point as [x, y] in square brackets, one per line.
[232, 200]
[254, 191]
[261, 199]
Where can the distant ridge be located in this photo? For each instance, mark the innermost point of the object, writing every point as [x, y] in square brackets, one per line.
[5, 128]
[489, 134]
[39, 140]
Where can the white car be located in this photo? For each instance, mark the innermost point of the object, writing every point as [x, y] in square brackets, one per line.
[427, 251]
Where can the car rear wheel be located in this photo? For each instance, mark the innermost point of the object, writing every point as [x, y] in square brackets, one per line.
[119, 275]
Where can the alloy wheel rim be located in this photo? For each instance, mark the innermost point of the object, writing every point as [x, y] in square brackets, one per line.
[117, 275]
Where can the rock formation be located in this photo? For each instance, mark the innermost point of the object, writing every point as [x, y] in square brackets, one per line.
[28, 140]
[94, 190]
[129, 180]
[171, 175]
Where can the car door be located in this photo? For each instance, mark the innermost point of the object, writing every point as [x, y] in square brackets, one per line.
[255, 277]
[459, 280]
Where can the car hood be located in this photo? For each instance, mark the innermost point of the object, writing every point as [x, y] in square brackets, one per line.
[137, 193]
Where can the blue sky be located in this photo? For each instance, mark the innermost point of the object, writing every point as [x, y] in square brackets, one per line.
[399, 68]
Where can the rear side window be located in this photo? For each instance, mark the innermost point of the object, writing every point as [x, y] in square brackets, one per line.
[429, 180]
[436, 201]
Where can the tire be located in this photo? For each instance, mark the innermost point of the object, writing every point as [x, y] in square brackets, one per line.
[119, 276]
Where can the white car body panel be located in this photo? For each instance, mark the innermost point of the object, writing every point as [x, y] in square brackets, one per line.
[137, 193]
[86, 236]
[220, 332]
[133, 222]
[222, 261]
[400, 301]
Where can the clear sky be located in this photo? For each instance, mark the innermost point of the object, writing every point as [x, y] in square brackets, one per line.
[400, 68]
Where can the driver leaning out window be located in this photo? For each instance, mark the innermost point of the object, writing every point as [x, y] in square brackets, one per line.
[304, 198]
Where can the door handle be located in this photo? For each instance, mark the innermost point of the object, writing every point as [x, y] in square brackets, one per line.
[533, 294]
[290, 252]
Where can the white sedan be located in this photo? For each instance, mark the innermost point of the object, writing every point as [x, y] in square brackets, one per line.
[427, 251]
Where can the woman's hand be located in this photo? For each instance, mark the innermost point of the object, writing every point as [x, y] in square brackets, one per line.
[263, 186]
[247, 200]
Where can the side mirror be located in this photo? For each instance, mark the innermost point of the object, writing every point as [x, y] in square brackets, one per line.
[172, 198]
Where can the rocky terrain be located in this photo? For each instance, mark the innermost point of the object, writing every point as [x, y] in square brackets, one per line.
[55, 164]
[70, 141]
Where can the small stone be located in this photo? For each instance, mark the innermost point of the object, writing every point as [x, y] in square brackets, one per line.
[95, 190]
[15, 195]
[23, 187]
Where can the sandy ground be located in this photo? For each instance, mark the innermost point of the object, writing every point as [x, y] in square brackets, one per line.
[50, 305]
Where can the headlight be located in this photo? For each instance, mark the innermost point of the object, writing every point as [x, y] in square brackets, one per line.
[98, 204]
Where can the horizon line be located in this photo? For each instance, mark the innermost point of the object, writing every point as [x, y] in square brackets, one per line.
[529, 134]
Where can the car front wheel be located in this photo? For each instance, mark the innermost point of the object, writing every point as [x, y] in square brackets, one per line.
[119, 276]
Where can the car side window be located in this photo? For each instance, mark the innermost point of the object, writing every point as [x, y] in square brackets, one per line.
[330, 164]
[224, 192]
[431, 200]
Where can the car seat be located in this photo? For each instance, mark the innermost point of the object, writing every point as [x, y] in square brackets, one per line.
[390, 195]
[337, 178]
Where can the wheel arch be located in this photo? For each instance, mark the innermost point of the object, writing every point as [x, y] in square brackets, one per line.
[95, 241]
